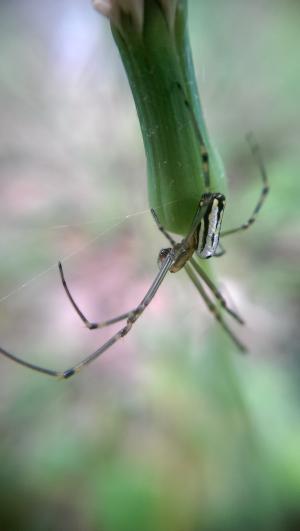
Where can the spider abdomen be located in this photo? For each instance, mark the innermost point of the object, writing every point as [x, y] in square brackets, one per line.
[210, 226]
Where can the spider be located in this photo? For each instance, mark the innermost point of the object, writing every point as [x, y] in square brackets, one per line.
[202, 239]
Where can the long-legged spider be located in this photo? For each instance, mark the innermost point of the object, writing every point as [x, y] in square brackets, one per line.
[202, 239]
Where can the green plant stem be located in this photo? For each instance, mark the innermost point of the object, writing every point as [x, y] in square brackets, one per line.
[156, 60]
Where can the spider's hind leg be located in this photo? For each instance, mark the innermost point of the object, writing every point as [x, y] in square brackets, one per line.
[220, 250]
[203, 149]
[161, 228]
[255, 149]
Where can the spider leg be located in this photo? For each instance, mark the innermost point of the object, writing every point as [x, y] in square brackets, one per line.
[213, 308]
[161, 228]
[218, 295]
[265, 189]
[132, 317]
[202, 273]
[29, 365]
[200, 212]
[206, 197]
[90, 325]
[220, 251]
[203, 150]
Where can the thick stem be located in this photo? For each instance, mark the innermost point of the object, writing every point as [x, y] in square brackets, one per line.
[156, 60]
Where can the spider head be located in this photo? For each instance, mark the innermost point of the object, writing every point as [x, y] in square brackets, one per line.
[163, 253]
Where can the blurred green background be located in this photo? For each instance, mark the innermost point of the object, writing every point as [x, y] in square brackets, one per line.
[171, 430]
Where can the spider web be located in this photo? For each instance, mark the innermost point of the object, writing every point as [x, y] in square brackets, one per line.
[113, 224]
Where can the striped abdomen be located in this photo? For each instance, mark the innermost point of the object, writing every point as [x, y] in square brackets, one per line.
[210, 226]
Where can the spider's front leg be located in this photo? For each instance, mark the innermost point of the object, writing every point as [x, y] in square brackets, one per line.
[131, 317]
[89, 324]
